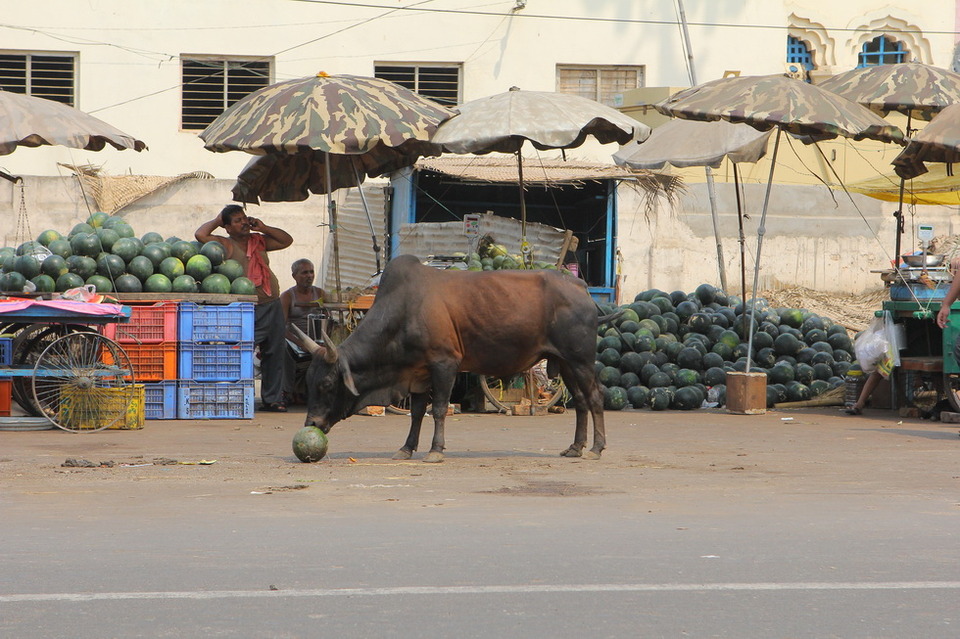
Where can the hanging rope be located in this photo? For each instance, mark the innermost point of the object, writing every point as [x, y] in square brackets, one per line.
[24, 234]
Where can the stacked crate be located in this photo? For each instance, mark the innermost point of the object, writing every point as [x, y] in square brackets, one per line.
[150, 342]
[6, 385]
[215, 358]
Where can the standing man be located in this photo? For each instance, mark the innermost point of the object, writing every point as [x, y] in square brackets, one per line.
[248, 241]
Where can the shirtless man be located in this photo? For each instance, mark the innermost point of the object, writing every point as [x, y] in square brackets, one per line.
[248, 241]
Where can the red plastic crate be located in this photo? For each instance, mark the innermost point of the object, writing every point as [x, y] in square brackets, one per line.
[150, 362]
[5, 387]
[149, 324]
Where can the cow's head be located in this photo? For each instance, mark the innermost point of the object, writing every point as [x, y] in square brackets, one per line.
[331, 392]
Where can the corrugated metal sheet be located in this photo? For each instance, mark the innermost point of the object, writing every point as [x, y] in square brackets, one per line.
[444, 238]
[357, 260]
[540, 171]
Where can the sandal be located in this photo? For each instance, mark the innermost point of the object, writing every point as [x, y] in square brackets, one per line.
[278, 407]
[853, 410]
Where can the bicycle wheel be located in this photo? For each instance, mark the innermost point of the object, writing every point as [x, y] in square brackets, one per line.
[82, 382]
[27, 346]
[533, 385]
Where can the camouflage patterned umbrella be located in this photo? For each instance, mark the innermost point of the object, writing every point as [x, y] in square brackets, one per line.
[776, 101]
[939, 141]
[281, 177]
[31, 121]
[504, 122]
[331, 114]
[911, 88]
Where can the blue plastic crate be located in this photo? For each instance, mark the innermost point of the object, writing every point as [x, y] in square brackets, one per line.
[217, 362]
[216, 323]
[160, 400]
[215, 400]
[6, 351]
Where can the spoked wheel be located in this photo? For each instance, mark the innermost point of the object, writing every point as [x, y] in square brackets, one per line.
[28, 344]
[533, 385]
[951, 388]
[403, 407]
[82, 382]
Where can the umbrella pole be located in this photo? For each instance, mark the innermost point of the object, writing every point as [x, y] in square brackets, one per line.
[899, 213]
[524, 249]
[712, 193]
[332, 209]
[743, 240]
[761, 230]
[366, 209]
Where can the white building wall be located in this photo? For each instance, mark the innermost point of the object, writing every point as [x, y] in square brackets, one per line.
[129, 75]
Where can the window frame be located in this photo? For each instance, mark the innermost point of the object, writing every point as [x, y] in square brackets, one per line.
[30, 75]
[227, 95]
[900, 53]
[415, 68]
[796, 56]
[598, 69]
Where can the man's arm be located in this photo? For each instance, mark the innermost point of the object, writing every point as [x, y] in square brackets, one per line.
[205, 232]
[274, 238]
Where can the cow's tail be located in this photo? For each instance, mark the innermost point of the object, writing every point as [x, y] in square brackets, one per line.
[612, 317]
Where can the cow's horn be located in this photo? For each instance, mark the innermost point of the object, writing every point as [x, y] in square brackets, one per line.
[348, 377]
[308, 343]
[331, 355]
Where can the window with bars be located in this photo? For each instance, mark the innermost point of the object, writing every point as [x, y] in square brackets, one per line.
[210, 85]
[439, 82]
[882, 50]
[42, 75]
[601, 83]
[799, 53]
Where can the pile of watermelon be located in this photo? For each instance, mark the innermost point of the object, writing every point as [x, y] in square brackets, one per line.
[673, 350]
[105, 252]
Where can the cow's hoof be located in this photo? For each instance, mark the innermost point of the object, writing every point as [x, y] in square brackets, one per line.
[573, 451]
[403, 454]
[433, 457]
[591, 454]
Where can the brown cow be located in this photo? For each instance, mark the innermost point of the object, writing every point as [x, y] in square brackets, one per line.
[426, 325]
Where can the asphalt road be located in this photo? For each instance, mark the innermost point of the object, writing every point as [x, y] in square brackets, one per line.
[700, 524]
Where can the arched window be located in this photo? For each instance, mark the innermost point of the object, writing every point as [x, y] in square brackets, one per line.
[799, 53]
[882, 50]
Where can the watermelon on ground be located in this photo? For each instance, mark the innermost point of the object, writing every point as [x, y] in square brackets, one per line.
[638, 396]
[615, 398]
[310, 444]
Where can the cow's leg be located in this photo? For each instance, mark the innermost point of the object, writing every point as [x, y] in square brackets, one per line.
[443, 377]
[418, 408]
[588, 400]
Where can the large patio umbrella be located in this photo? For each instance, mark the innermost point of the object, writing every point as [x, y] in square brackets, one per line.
[911, 88]
[333, 115]
[686, 143]
[939, 141]
[776, 101]
[506, 121]
[30, 121]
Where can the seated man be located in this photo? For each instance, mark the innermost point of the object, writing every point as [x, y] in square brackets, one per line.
[299, 302]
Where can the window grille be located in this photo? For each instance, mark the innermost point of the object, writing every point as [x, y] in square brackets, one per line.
[799, 53]
[210, 85]
[439, 82]
[602, 83]
[42, 75]
[882, 50]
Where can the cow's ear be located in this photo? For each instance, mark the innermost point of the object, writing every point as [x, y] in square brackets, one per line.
[348, 377]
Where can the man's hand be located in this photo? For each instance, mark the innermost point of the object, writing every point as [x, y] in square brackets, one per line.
[255, 224]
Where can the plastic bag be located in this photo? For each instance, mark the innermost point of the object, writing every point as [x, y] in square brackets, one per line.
[86, 293]
[871, 345]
